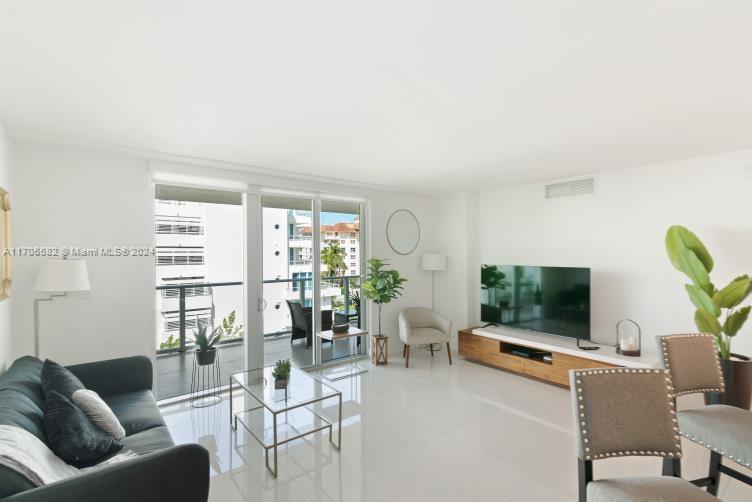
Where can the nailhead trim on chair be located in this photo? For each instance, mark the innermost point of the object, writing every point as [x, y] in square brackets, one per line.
[583, 430]
[664, 347]
[738, 460]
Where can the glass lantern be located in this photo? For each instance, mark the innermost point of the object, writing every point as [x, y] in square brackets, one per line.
[628, 338]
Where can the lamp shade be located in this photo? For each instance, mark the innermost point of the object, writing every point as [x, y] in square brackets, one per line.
[62, 275]
[434, 261]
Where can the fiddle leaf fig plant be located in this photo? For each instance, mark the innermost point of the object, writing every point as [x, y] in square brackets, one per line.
[718, 310]
[381, 285]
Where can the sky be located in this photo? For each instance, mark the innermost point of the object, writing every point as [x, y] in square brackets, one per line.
[332, 218]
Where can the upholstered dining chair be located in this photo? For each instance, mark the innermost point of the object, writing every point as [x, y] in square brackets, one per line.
[423, 326]
[621, 412]
[725, 430]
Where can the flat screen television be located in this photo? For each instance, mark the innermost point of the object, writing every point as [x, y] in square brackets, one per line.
[551, 300]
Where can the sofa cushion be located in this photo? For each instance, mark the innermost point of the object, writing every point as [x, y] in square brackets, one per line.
[21, 397]
[98, 412]
[61, 380]
[25, 376]
[71, 435]
[21, 411]
[137, 411]
[154, 439]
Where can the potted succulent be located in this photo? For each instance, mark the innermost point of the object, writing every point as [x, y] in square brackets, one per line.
[281, 373]
[719, 311]
[206, 352]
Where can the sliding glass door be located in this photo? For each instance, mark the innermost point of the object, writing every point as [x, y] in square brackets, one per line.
[308, 246]
[288, 307]
[341, 255]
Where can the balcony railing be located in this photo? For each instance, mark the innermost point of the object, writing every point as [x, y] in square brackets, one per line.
[189, 316]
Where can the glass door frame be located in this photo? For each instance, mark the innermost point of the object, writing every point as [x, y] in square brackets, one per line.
[254, 269]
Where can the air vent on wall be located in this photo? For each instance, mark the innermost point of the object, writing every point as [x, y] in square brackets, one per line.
[569, 188]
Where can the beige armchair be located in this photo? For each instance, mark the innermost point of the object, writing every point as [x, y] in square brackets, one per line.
[423, 326]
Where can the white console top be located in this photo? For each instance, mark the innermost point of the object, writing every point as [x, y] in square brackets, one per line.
[605, 354]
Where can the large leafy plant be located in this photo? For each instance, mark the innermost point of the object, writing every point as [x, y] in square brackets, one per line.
[718, 310]
[381, 284]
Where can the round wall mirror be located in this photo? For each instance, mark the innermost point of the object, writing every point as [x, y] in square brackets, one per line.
[403, 231]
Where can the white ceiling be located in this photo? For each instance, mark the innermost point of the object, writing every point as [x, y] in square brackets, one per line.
[436, 95]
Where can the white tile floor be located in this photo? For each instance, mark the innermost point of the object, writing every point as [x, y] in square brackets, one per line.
[431, 432]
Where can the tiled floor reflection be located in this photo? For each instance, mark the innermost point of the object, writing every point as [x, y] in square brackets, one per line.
[431, 432]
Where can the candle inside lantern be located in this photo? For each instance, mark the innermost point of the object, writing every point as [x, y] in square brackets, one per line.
[628, 344]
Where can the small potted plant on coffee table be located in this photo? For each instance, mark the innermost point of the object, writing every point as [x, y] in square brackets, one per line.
[206, 352]
[281, 373]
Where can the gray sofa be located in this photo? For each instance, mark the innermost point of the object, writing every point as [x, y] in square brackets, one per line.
[163, 472]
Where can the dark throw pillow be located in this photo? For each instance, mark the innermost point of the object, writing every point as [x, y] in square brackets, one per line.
[71, 435]
[59, 379]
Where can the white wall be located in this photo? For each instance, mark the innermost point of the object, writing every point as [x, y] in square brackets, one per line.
[5, 305]
[453, 215]
[619, 233]
[71, 197]
[417, 289]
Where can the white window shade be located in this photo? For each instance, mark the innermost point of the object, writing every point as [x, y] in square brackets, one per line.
[204, 195]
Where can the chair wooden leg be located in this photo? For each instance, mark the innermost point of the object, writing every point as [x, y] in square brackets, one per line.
[714, 472]
[672, 467]
[404, 349]
[407, 356]
[585, 476]
[449, 353]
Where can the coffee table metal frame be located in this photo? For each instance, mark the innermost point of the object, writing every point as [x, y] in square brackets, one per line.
[235, 418]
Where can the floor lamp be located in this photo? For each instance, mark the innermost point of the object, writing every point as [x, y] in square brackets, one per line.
[434, 262]
[58, 277]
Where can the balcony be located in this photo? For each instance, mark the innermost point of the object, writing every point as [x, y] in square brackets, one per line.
[184, 306]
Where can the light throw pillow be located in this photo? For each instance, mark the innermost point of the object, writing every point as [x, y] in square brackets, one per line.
[24, 453]
[60, 379]
[72, 436]
[98, 412]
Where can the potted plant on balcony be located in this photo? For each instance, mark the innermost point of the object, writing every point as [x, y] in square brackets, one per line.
[281, 373]
[206, 352]
[381, 285]
[719, 311]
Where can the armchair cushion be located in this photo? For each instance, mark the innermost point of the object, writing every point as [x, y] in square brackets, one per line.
[721, 428]
[649, 489]
[424, 336]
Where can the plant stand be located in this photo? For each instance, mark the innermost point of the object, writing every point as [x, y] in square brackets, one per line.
[205, 382]
[380, 349]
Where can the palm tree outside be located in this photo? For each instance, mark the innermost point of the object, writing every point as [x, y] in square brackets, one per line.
[333, 257]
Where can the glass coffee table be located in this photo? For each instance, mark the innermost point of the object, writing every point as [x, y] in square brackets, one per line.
[296, 404]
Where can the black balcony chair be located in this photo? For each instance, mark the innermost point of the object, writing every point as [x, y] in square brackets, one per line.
[302, 322]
